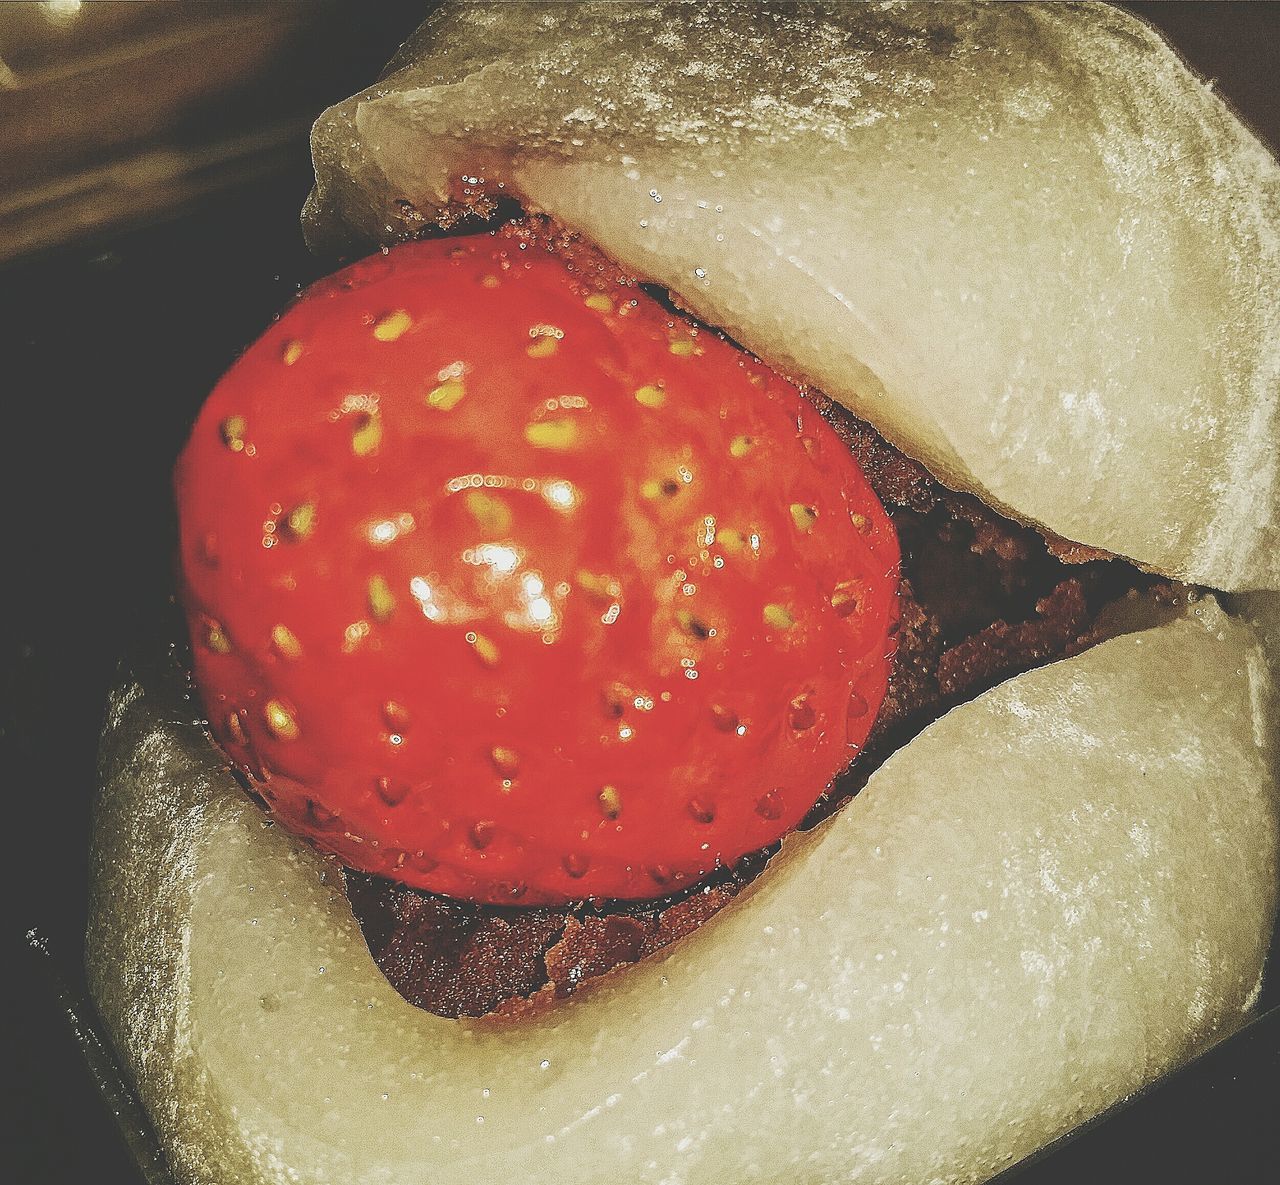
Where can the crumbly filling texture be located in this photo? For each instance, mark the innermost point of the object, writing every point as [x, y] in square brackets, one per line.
[982, 599]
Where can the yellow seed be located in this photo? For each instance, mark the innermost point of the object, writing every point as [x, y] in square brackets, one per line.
[803, 516]
[700, 811]
[846, 598]
[740, 446]
[505, 761]
[599, 588]
[544, 347]
[301, 520]
[489, 282]
[281, 721]
[801, 714]
[291, 352]
[393, 793]
[235, 727]
[684, 348]
[353, 635]
[233, 429]
[381, 602]
[286, 642]
[610, 802]
[778, 617]
[859, 520]
[367, 435]
[554, 434]
[651, 397]
[395, 715]
[731, 540]
[392, 326]
[485, 650]
[660, 488]
[599, 302]
[693, 626]
[726, 719]
[216, 639]
[492, 515]
[447, 395]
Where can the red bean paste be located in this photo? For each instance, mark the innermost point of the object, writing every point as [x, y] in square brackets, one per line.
[982, 599]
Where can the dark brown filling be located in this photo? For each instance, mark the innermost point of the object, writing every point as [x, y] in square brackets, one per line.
[982, 599]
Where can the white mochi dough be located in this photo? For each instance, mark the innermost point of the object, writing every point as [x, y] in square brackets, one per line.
[1023, 241]
[1053, 895]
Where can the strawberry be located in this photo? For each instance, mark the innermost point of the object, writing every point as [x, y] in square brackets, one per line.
[505, 583]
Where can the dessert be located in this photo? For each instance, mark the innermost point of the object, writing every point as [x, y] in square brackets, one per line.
[1082, 860]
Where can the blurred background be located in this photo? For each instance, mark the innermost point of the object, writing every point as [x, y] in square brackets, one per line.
[153, 160]
[119, 112]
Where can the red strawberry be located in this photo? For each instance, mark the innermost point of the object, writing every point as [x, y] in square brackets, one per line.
[507, 584]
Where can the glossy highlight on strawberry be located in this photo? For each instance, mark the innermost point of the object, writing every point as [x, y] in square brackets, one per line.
[506, 583]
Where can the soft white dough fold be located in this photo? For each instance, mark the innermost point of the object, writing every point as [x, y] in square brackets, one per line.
[1054, 894]
[1023, 241]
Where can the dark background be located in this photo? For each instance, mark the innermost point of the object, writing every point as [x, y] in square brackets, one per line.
[147, 242]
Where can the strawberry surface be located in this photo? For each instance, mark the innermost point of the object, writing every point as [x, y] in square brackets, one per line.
[506, 583]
